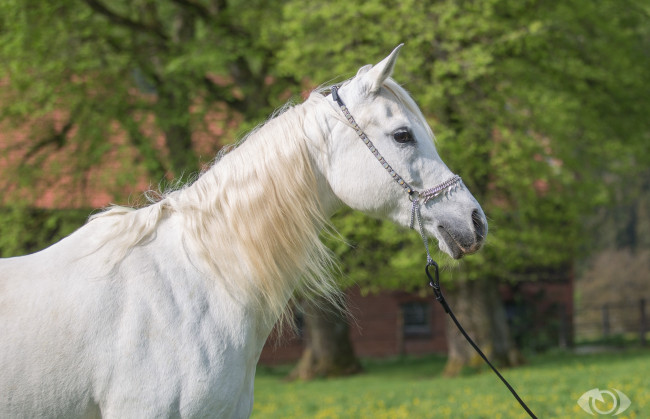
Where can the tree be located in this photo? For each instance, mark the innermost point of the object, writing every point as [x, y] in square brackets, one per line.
[146, 69]
[328, 349]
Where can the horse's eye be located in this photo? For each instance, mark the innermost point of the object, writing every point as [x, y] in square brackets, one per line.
[403, 136]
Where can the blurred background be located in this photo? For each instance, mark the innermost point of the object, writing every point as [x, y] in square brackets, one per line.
[542, 107]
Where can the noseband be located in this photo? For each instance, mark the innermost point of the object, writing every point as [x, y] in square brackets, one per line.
[417, 198]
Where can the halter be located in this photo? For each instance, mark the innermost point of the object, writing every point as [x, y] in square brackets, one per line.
[414, 196]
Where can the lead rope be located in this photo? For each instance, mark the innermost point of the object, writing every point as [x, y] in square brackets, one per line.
[435, 285]
[414, 196]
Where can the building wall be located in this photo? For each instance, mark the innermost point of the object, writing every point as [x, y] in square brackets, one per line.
[377, 321]
[376, 329]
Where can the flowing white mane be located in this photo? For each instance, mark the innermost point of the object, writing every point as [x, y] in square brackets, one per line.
[257, 204]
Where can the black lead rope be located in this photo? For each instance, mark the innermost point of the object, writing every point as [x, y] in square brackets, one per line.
[434, 283]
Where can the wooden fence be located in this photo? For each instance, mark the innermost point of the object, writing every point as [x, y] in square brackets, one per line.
[612, 320]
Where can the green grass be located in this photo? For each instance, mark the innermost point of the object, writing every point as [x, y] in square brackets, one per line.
[413, 388]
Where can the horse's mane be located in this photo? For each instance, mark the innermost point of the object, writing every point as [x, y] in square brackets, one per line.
[252, 221]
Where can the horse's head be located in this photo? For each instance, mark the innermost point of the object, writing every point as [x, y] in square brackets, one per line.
[398, 131]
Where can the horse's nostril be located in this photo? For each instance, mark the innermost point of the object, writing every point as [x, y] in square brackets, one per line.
[479, 226]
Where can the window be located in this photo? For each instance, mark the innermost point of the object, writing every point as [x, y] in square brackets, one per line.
[417, 319]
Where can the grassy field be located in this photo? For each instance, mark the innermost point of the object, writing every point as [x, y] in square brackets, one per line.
[413, 388]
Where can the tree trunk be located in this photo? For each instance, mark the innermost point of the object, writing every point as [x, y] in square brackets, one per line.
[479, 310]
[328, 350]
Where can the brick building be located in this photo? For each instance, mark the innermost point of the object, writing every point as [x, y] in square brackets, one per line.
[394, 323]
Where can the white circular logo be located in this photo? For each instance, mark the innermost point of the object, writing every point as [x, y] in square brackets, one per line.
[619, 402]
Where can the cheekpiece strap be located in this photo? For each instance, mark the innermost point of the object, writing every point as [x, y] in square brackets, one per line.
[396, 177]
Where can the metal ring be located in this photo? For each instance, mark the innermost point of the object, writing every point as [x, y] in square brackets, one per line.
[434, 282]
[414, 196]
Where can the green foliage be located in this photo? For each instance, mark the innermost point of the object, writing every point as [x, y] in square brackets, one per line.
[377, 255]
[108, 66]
[532, 102]
[27, 230]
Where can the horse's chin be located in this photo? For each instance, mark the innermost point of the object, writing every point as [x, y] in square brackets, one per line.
[456, 247]
[451, 248]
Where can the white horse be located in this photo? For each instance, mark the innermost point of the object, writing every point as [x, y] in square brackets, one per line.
[163, 311]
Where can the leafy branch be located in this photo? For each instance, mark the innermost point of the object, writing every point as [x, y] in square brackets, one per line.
[125, 21]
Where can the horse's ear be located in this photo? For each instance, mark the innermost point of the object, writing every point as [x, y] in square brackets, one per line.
[376, 75]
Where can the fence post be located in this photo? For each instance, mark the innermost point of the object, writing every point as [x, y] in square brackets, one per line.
[643, 325]
[605, 321]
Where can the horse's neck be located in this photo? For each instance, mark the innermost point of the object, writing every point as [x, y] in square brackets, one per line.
[255, 217]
